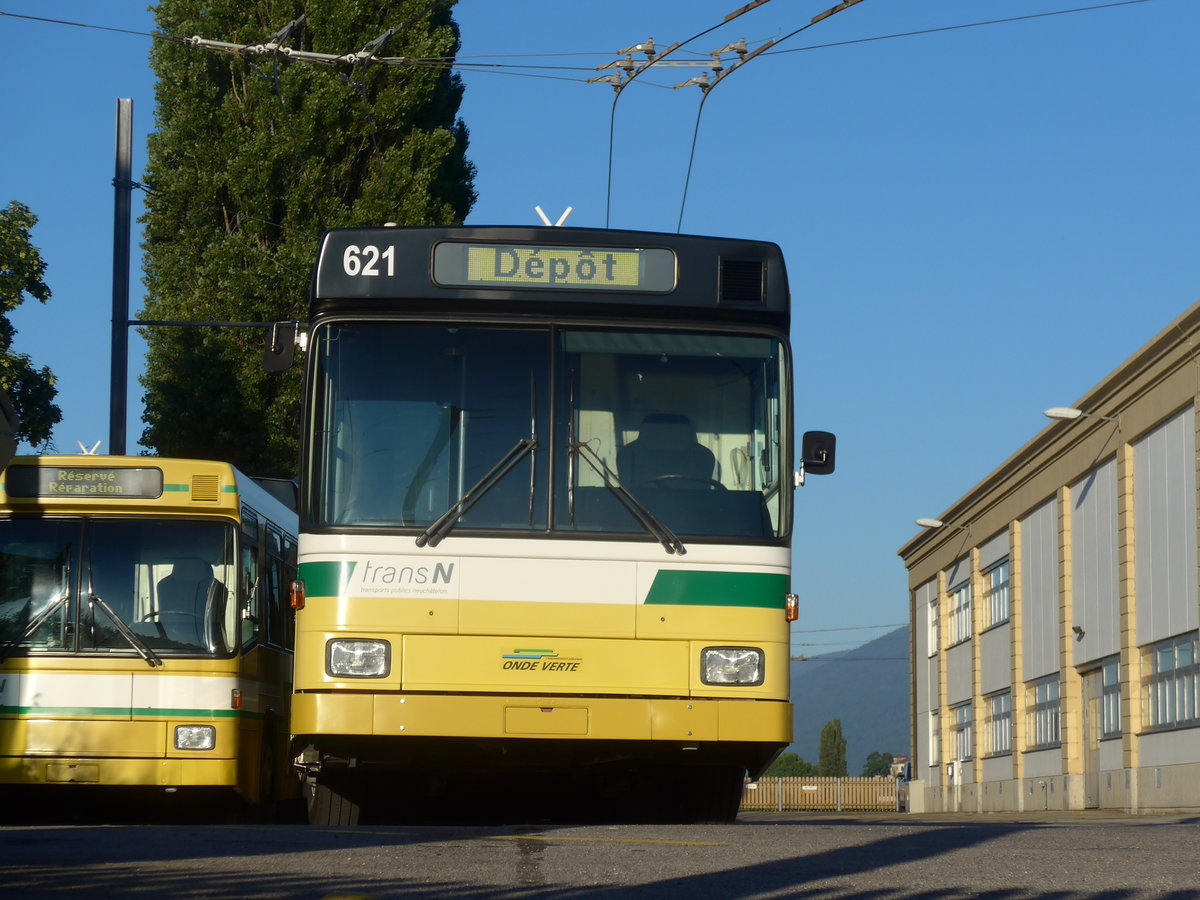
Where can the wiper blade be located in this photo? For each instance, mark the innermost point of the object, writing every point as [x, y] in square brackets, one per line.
[34, 624]
[670, 541]
[152, 659]
[434, 533]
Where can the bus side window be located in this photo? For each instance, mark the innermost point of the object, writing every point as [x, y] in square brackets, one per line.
[289, 575]
[274, 600]
[252, 622]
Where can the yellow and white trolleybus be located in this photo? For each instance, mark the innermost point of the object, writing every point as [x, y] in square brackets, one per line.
[546, 506]
[145, 630]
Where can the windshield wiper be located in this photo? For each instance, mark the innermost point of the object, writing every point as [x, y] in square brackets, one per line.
[670, 541]
[439, 529]
[152, 659]
[34, 624]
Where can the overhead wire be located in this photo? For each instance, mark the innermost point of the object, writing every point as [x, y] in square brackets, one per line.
[368, 55]
[831, 658]
[631, 75]
[927, 31]
[843, 655]
[465, 63]
[706, 88]
[278, 40]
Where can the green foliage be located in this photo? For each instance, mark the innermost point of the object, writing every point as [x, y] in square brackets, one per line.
[832, 759]
[790, 764]
[878, 764]
[253, 157]
[22, 270]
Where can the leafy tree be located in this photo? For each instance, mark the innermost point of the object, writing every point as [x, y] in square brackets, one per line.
[832, 759]
[878, 764]
[790, 764]
[252, 157]
[22, 268]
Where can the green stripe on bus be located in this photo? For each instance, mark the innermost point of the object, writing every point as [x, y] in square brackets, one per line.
[326, 579]
[126, 712]
[176, 488]
[691, 588]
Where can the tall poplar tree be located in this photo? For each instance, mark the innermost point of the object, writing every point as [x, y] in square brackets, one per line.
[831, 760]
[32, 390]
[252, 157]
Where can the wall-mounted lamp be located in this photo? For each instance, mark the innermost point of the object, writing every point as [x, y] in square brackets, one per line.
[938, 523]
[1069, 412]
[1078, 632]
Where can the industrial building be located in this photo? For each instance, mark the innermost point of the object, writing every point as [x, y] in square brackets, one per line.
[1053, 608]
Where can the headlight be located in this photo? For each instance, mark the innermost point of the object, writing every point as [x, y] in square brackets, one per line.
[731, 665]
[195, 737]
[358, 659]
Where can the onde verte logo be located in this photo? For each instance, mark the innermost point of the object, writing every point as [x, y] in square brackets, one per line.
[521, 660]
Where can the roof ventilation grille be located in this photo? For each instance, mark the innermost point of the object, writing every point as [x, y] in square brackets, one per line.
[742, 281]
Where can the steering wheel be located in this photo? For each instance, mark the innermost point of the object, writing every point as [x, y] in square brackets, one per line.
[159, 613]
[674, 481]
[157, 616]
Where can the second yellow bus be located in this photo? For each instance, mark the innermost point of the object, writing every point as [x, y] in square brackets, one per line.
[145, 635]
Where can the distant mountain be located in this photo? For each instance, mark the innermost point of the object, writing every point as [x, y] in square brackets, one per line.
[867, 688]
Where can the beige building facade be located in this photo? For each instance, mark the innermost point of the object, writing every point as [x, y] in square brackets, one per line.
[1054, 610]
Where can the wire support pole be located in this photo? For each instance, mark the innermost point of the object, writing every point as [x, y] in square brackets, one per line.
[122, 224]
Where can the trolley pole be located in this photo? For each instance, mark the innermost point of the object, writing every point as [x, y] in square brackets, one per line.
[123, 189]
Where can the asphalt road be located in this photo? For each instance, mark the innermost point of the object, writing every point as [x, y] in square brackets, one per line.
[1065, 856]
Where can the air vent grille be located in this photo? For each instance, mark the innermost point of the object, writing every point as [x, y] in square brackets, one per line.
[206, 487]
[743, 281]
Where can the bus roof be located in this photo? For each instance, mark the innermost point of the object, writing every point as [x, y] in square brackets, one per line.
[89, 483]
[550, 271]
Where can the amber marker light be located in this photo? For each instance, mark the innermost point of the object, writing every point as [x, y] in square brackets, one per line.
[296, 595]
[793, 607]
[235, 699]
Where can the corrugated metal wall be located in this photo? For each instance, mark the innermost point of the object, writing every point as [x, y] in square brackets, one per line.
[1094, 581]
[1039, 591]
[1164, 504]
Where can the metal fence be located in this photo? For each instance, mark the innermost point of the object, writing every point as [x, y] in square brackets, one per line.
[802, 793]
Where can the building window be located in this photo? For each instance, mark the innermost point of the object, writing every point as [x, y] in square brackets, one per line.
[1042, 720]
[999, 723]
[1110, 699]
[1172, 684]
[960, 613]
[933, 624]
[995, 593]
[963, 731]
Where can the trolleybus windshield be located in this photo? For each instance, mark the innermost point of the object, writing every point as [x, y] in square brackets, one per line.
[104, 586]
[411, 418]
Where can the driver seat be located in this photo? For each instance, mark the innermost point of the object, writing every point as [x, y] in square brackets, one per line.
[186, 590]
[666, 445]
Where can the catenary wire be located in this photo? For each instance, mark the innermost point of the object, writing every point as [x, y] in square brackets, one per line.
[460, 62]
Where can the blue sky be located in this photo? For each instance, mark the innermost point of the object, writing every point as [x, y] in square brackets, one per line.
[980, 222]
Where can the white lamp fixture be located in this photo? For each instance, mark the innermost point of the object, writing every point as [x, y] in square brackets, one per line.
[1069, 412]
[938, 523]
[1063, 412]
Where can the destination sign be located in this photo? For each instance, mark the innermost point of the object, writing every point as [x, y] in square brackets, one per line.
[644, 270]
[145, 483]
